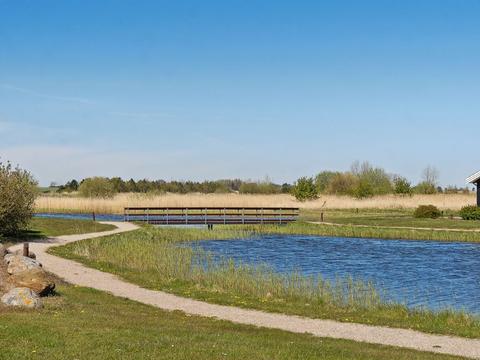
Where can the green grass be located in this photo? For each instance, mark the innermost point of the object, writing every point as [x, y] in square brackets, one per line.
[44, 227]
[86, 324]
[152, 258]
[377, 217]
[369, 232]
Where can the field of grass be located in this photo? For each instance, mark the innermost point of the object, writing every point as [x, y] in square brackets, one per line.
[85, 324]
[152, 258]
[371, 232]
[73, 203]
[389, 218]
[42, 227]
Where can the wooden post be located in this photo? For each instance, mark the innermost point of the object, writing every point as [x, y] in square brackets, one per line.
[26, 250]
[321, 217]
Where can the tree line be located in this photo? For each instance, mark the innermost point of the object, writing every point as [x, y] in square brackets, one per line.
[362, 180]
[107, 187]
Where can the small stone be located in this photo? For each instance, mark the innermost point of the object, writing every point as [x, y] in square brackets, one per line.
[36, 279]
[23, 297]
[17, 264]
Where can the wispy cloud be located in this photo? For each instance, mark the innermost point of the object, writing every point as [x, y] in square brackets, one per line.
[45, 96]
[140, 115]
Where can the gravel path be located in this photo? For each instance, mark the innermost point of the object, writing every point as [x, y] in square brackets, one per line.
[78, 274]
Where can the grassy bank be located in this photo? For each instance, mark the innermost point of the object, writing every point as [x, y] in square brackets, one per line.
[42, 228]
[368, 232]
[392, 218]
[151, 257]
[87, 324]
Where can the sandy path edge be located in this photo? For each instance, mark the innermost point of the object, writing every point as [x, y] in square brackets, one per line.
[78, 274]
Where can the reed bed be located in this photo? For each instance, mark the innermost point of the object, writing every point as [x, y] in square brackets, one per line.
[74, 203]
[160, 259]
[371, 232]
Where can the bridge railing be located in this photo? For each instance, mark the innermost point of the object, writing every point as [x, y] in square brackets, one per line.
[211, 215]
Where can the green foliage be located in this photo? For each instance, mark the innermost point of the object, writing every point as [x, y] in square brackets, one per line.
[260, 187]
[70, 186]
[17, 198]
[97, 187]
[470, 213]
[323, 180]
[402, 186]
[364, 189]
[343, 184]
[305, 189]
[372, 179]
[427, 212]
[425, 188]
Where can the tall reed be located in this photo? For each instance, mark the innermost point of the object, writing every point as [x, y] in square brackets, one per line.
[74, 203]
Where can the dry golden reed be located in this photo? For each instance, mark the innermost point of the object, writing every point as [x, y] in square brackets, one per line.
[72, 203]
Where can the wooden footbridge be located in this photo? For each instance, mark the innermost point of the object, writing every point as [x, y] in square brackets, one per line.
[210, 215]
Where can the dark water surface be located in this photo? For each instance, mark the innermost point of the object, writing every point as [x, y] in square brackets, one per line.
[419, 273]
[98, 217]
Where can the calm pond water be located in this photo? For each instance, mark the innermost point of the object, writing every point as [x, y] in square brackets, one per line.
[419, 273]
[98, 217]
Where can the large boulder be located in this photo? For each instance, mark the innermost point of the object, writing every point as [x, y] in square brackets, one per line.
[17, 263]
[36, 279]
[20, 252]
[23, 297]
[5, 284]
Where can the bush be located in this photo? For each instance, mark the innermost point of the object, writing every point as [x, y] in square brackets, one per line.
[305, 189]
[323, 180]
[427, 212]
[425, 188]
[402, 186]
[17, 198]
[470, 213]
[97, 187]
[364, 189]
[343, 184]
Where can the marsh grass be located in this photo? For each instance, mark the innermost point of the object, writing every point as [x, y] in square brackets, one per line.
[74, 203]
[157, 258]
[371, 232]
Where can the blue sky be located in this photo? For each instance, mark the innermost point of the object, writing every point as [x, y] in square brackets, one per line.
[226, 89]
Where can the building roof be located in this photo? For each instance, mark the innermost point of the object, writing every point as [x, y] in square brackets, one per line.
[473, 179]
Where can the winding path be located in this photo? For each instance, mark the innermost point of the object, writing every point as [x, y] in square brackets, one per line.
[78, 274]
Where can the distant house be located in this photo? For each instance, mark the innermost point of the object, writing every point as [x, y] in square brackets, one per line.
[475, 179]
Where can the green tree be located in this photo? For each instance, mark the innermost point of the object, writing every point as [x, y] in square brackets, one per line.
[17, 198]
[97, 187]
[343, 184]
[374, 180]
[305, 189]
[402, 186]
[364, 189]
[323, 180]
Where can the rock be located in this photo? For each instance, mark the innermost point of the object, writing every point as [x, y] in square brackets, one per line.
[23, 297]
[3, 250]
[36, 279]
[5, 284]
[31, 255]
[17, 264]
